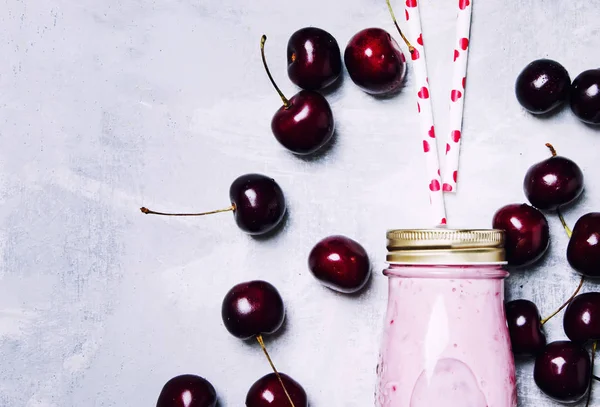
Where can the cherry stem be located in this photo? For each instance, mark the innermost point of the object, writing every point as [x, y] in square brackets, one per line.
[261, 342]
[411, 49]
[149, 212]
[286, 102]
[552, 150]
[564, 223]
[589, 398]
[566, 302]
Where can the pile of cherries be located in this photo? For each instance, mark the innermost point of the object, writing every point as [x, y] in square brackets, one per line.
[563, 370]
[304, 124]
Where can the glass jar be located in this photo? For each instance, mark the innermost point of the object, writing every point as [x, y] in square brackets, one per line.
[446, 340]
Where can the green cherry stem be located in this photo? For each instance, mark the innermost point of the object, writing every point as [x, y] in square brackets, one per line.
[569, 233]
[150, 212]
[286, 101]
[261, 342]
[411, 49]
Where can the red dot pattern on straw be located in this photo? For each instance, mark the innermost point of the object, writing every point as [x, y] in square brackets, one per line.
[406, 15]
[463, 43]
[455, 176]
[434, 185]
[411, 3]
[431, 132]
[418, 107]
[425, 146]
[456, 55]
[415, 54]
[443, 221]
[423, 93]
[420, 39]
[464, 82]
[455, 135]
[463, 4]
[447, 187]
[455, 95]
[447, 148]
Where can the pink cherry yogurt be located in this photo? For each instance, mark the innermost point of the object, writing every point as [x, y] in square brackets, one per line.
[445, 340]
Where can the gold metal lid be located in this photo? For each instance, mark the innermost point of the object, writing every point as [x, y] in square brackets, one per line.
[445, 246]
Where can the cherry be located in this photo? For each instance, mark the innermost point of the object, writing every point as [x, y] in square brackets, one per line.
[314, 58]
[542, 86]
[187, 391]
[340, 263]
[267, 392]
[527, 234]
[585, 96]
[525, 327]
[583, 251]
[563, 371]
[375, 62]
[305, 122]
[252, 308]
[257, 203]
[582, 318]
[553, 182]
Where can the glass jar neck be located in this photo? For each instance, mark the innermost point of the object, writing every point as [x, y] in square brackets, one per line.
[463, 271]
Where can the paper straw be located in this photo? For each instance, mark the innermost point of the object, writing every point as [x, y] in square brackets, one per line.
[457, 93]
[425, 111]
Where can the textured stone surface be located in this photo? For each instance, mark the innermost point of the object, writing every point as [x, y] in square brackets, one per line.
[107, 105]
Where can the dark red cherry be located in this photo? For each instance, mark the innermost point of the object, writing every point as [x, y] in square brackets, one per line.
[374, 61]
[187, 391]
[583, 251]
[305, 122]
[527, 234]
[257, 203]
[304, 126]
[267, 392]
[524, 325]
[542, 86]
[582, 318]
[314, 58]
[340, 263]
[563, 371]
[554, 182]
[585, 96]
[251, 309]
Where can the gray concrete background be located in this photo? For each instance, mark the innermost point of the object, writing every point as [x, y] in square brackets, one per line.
[107, 105]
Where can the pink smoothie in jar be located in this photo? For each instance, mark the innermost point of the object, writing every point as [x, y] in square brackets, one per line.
[445, 340]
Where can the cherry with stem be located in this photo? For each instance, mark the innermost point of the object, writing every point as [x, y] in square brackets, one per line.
[305, 122]
[257, 203]
[251, 310]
